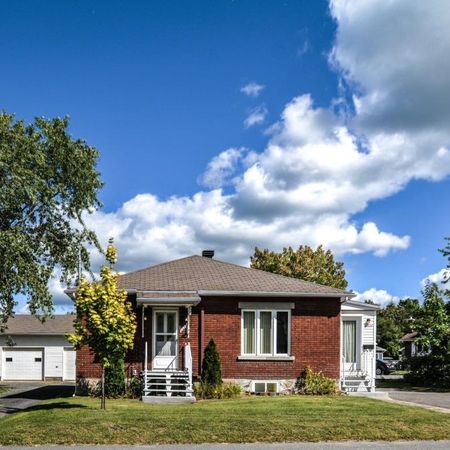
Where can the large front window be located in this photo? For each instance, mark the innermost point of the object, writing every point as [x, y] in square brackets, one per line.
[265, 333]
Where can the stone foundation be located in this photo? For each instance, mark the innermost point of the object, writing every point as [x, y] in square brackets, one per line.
[285, 386]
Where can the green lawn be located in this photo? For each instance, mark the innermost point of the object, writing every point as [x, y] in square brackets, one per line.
[250, 419]
[3, 389]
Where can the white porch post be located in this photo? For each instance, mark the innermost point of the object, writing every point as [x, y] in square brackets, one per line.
[145, 367]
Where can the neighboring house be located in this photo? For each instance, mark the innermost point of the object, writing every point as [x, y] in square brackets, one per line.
[267, 328]
[32, 350]
[380, 352]
[409, 345]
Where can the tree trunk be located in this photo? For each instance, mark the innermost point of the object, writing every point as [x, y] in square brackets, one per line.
[103, 402]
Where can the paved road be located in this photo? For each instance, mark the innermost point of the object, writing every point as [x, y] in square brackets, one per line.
[410, 445]
[23, 395]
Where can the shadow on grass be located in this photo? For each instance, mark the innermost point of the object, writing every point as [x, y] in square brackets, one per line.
[46, 407]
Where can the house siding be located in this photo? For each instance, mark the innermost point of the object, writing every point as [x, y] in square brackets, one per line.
[315, 339]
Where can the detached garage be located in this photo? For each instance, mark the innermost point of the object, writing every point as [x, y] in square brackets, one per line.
[31, 350]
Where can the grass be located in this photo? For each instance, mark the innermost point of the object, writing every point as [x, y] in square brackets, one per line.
[249, 419]
[3, 389]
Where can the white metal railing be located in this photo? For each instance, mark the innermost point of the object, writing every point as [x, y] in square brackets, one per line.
[188, 363]
[367, 365]
[364, 369]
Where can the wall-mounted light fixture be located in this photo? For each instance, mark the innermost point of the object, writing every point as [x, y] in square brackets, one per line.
[368, 322]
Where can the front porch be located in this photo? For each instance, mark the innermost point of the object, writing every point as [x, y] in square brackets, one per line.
[358, 347]
[167, 365]
[361, 378]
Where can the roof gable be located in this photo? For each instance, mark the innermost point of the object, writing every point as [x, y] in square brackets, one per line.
[198, 273]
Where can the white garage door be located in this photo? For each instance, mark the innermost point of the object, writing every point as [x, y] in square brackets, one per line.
[22, 364]
[69, 364]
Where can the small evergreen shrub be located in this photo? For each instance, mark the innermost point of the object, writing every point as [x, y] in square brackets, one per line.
[211, 365]
[134, 388]
[220, 391]
[115, 379]
[315, 383]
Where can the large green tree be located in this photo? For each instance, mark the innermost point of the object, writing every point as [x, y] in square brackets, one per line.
[48, 180]
[432, 366]
[306, 263]
[433, 322]
[394, 321]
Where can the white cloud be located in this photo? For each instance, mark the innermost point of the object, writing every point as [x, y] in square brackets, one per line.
[319, 168]
[304, 48]
[394, 53]
[378, 296]
[383, 297]
[439, 278]
[221, 167]
[252, 89]
[256, 116]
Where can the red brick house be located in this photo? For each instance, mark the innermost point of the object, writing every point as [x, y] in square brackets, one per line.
[267, 328]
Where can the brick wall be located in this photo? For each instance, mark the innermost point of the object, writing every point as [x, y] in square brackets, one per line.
[315, 339]
[86, 367]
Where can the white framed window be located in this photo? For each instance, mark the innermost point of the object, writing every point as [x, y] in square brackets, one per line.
[265, 332]
[265, 387]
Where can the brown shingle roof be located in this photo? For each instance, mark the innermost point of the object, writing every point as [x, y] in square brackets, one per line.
[151, 295]
[28, 324]
[198, 273]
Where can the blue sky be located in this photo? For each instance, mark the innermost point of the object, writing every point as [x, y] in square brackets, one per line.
[156, 87]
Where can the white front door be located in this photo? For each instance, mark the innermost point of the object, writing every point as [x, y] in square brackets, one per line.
[165, 339]
[350, 345]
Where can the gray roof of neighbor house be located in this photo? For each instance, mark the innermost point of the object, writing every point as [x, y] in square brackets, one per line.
[408, 337]
[203, 276]
[28, 324]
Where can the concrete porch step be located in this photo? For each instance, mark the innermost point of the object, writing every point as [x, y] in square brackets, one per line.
[162, 399]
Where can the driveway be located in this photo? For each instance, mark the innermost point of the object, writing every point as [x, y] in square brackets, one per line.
[434, 399]
[23, 395]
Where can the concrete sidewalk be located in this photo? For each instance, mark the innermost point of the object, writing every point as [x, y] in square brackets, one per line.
[354, 445]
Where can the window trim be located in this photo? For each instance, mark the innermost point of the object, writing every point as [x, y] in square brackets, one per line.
[273, 336]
